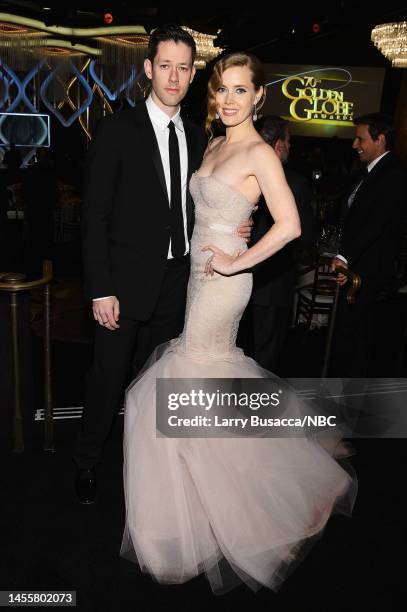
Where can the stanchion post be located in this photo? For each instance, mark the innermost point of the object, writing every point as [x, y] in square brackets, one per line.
[331, 329]
[355, 282]
[12, 283]
[18, 417]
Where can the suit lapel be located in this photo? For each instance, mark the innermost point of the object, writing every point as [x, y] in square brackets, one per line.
[359, 184]
[192, 152]
[366, 185]
[191, 148]
[150, 144]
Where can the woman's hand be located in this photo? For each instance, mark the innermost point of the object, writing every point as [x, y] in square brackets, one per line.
[220, 262]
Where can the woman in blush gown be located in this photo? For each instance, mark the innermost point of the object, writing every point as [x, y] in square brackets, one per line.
[234, 507]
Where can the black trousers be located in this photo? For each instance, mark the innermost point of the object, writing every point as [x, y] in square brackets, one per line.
[269, 327]
[354, 335]
[114, 359]
[266, 320]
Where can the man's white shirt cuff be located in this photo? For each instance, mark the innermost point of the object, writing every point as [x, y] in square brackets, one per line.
[103, 298]
[342, 258]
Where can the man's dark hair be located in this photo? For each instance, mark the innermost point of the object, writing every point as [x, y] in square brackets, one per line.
[169, 31]
[272, 128]
[378, 123]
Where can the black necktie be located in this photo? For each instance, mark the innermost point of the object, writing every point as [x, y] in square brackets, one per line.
[176, 218]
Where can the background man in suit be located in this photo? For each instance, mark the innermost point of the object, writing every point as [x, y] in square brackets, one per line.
[40, 197]
[268, 313]
[371, 234]
[137, 222]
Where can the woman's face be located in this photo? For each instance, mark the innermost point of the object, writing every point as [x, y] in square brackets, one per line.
[236, 96]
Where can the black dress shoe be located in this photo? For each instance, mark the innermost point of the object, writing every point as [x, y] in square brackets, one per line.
[85, 486]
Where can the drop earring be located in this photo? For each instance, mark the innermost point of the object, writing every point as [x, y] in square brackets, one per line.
[254, 113]
[216, 115]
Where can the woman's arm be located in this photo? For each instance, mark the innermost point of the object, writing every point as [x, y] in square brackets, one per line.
[267, 169]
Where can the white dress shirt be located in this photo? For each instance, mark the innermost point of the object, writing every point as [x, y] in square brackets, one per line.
[160, 121]
[375, 161]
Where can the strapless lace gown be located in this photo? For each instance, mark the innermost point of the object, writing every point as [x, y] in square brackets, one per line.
[235, 508]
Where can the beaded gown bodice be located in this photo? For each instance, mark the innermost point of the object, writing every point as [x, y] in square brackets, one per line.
[215, 304]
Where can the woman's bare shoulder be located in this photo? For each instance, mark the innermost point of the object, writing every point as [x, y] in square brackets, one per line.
[260, 147]
[261, 153]
[213, 144]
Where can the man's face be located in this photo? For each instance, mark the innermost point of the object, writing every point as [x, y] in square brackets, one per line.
[171, 74]
[367, 148]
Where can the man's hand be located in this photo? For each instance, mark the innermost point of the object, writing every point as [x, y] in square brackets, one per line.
[341, 279]
[107, 312]
[245, 229]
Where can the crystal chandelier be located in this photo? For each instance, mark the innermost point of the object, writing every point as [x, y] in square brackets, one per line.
[205, 48]
[391, 40]
[24, 40]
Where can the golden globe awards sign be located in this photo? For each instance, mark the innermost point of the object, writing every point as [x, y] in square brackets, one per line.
[311, 101]
[322, 101]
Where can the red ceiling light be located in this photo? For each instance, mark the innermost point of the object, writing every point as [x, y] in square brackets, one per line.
[316, 28]
[108, 18]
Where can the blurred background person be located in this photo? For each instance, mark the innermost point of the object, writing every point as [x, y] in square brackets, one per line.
[267, 316]
[12, 160]
[40, 197]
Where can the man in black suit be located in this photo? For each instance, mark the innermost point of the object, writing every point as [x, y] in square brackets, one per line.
[371, 232]
[137, 222]
[268, 313]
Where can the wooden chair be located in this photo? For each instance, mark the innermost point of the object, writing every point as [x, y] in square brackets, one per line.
[316, 298]
[321, 297]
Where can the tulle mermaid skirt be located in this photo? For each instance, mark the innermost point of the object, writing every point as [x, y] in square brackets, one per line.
[237, 509]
